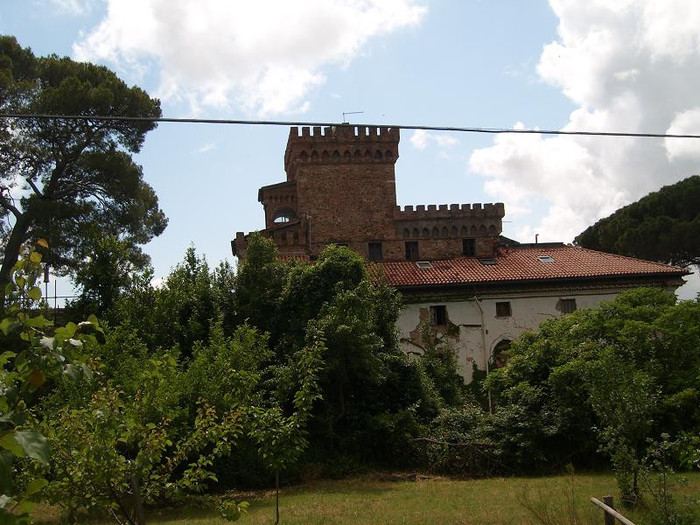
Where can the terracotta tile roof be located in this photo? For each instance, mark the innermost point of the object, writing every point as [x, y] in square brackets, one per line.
[524, 264]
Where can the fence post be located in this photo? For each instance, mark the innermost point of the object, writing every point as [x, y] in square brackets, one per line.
[610, 502]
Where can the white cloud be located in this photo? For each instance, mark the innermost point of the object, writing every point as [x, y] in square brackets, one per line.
[629, 65]
[265, 56]
[72, 7]
[420, 139]
[206, 148]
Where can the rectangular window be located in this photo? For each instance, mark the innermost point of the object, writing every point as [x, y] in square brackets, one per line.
[503, 309]
[567, 306]
[412, 250]
[469, 247]
[374, 250]
[438, 315]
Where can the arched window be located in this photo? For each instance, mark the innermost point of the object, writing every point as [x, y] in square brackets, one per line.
[499, 358]
[284, 215]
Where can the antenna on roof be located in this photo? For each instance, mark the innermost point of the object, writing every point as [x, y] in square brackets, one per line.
[350, 113]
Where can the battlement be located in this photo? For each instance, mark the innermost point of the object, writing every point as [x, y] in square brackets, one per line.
[451, 211]
[343, 132]
[342, 144]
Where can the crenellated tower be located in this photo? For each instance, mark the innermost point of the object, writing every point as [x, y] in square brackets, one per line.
[341, 188]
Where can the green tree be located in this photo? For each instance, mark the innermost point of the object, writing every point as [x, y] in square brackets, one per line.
[663, 226]
[76, 176]
[106, 271]
[374, 397]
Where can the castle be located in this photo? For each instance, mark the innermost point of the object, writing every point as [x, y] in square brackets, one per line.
[452, 266]
[341, 188]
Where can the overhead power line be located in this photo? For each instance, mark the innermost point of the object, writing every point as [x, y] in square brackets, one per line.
[458, 129]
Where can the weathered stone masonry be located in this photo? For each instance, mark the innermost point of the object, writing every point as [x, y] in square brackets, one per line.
[341, 188]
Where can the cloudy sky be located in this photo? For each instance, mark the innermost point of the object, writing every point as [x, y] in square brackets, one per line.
[598, 65]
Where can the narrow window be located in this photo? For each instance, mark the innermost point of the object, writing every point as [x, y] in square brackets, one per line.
[503, 309]
[469, 247]
[374, 250]
[438, 315]
[412, 250]
[567, 306]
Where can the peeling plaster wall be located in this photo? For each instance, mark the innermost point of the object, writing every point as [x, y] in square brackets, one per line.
[527, 312]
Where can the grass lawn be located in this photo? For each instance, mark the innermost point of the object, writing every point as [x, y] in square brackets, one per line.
[433, 500]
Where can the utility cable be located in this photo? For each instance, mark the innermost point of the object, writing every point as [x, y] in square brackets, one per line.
[286, 123]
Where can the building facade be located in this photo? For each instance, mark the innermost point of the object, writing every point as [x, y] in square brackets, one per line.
[458, 277]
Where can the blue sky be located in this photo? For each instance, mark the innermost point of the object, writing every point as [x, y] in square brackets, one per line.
[623, 65]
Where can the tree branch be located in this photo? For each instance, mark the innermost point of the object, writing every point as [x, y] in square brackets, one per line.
[5, 203]
[34, 186]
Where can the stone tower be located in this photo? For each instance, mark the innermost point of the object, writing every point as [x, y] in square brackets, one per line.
[341, 188]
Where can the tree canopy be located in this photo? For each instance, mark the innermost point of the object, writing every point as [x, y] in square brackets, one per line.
[663, 226]
[71, 181]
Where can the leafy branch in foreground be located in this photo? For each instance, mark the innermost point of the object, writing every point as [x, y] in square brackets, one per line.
[34, 355]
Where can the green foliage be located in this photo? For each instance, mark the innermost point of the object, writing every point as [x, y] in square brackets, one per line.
[80, 180]
[663, 226]
[119, 446]
[182, 310]
[153, 430]
[607, 378]
[106, 273]
[374, 397]
[35, 356]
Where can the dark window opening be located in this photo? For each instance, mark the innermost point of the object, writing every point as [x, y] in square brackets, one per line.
[412, 250]
[284, 215]
[499, 359]
[374, 250]
[567, 306]
[503, 309]
[438, 315]
[469, 247]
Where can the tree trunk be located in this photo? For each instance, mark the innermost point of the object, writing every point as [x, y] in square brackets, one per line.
[14, 244]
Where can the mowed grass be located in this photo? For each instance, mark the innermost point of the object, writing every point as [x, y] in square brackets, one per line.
[427, 500]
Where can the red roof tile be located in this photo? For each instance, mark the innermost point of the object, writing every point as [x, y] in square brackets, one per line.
[523, 264]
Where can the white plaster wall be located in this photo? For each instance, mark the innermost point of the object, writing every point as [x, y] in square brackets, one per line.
[477, 340]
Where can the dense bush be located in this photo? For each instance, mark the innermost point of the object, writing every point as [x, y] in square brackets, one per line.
[609, 382]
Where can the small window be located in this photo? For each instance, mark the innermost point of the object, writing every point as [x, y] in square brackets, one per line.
[545, 258]
[503, 309]
[411, 250]
[489, 261]
[283, 215]
[425, 265]
[374, 250]
[469, 247]
[438, 315]
[567, 306]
